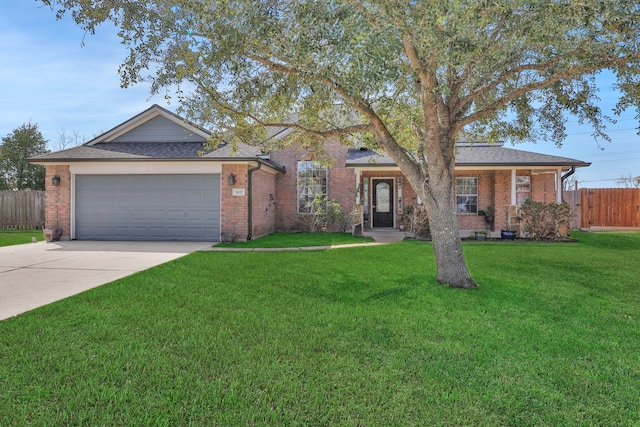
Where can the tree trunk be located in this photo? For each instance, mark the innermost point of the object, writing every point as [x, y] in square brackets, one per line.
[450, 263]
[434, 183]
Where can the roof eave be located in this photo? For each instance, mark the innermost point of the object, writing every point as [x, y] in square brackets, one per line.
[527, 165]
[488, 165]
[266, 162]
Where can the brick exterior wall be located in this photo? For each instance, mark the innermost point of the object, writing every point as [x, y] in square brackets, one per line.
[341, 184]
[264, 204]
[502, 197]
[543, 187]
[57, 212]
[234, 212]
[275, 198]
[234, 209]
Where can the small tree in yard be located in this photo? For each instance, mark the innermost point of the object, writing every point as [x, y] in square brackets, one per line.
[402, 76]
[15, 172]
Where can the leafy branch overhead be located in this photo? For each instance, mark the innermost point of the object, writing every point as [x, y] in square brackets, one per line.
[471, 62]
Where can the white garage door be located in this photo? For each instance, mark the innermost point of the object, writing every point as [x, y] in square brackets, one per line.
[148, 207]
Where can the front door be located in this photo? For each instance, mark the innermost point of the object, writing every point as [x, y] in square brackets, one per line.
[382, 202]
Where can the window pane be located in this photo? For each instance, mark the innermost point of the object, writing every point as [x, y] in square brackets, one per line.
[467, 185]
[382, 197]
[523, 189]
[312, 180]
[467, 204]
[467, 195]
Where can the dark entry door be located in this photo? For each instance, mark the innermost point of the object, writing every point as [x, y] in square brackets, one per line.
[382, 202]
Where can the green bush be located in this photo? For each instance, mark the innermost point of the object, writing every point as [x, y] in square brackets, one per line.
[326, 215]
[546, 221]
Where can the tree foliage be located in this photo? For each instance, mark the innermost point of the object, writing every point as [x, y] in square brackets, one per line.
[399, 75]
[15, 172]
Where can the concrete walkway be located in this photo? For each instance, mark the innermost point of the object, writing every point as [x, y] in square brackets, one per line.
[385, 235]
[380, 237]
[36, 274]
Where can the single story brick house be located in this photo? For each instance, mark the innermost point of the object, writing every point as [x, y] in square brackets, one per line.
[147, 179]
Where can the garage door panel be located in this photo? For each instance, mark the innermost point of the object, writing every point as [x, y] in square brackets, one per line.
[148, 207]
[138, 214]
[193, 215]
[158, 232]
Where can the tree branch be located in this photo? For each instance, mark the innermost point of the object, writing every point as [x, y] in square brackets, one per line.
[480, 91]
[541, 84]
[377, 125]
[323, 134]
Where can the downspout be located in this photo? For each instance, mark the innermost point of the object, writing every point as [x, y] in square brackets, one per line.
[250, 202]
[565, 176]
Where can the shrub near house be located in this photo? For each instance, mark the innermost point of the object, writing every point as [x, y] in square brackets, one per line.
[546, 220]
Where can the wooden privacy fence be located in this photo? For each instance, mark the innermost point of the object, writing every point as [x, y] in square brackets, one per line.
[610, 208]
[21, 209]
[572, 198]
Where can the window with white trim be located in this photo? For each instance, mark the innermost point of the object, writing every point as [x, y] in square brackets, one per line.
[523, 189]
[312, 181]
[467, 195]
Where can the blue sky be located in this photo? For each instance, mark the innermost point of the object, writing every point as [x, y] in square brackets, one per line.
[47, 77]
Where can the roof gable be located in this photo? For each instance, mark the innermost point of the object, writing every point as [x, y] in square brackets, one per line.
[157, 134]
[155, 124]
[159, 129]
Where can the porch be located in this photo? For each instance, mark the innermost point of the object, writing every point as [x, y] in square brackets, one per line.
[385, 235]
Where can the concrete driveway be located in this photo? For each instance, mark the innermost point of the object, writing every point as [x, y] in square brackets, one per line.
[36, 274]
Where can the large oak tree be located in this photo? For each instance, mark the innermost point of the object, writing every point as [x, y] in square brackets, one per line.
[404, 76]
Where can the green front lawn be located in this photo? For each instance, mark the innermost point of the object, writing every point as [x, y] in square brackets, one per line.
[18, 237]
[356, 337]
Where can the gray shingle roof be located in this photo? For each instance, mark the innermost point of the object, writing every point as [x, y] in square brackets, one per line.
[113, 151]
[474, 155]
[107, 148]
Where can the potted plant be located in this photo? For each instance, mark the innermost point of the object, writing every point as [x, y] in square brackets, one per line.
[488, 215]
[508, 233]
[480, 235]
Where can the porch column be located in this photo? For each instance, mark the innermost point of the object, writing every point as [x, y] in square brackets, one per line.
[513, 187]
[559, 185]
[358, 185]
